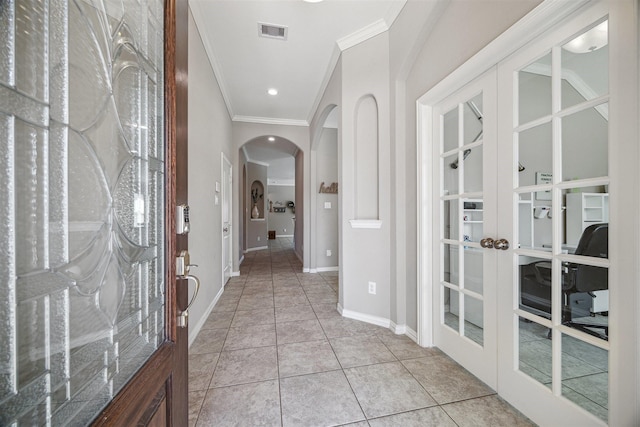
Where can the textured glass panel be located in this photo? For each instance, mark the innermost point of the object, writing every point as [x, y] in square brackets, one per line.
[585, 144]
[31, 25]
[585, 66]
[7, 43]
[31, 194]
[82, 184]
[534, 90]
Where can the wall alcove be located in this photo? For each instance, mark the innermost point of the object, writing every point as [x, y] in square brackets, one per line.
[257, 200]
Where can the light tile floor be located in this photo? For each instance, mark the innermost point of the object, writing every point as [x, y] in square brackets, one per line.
[275, 352]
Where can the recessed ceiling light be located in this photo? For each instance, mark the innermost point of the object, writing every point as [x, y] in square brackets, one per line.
[271, 139]
[272, 92]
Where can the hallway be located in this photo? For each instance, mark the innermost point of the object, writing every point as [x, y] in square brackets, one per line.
[275, 351]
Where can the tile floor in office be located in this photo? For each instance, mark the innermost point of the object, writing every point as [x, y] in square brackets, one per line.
[275, 351]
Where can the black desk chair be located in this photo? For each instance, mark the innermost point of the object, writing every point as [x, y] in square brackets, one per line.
[580, 281]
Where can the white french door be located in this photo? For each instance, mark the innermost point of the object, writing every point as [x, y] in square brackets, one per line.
[464, 300]
[530, 248]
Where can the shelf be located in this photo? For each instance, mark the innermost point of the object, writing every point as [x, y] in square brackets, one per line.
[473, 222]
[474, 210]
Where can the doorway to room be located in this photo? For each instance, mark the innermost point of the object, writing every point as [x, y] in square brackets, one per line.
[520, 171]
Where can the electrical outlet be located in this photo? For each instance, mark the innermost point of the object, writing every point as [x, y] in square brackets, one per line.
[328, 252]
[372, 288]
[258, 238]
[284, 230]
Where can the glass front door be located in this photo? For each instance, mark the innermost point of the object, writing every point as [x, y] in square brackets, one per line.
[82, 183]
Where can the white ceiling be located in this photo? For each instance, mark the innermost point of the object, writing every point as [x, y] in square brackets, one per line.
[246, 65]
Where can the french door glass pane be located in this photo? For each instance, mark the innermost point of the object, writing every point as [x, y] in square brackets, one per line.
[534, 90]
[585, 375]
[585, 144]
[534, 154]
[82, 182]
[585, 71]
[534, 356]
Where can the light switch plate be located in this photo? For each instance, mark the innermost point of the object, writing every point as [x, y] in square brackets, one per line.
[217, 187]
[327, 205]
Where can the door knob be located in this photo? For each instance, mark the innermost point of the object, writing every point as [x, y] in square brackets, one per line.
[487, 242]
[501, 244]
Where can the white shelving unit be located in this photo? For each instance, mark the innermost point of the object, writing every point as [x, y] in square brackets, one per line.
[472, 220]
[584, 209]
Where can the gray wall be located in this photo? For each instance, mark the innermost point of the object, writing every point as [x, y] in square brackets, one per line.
[462, 30]
[281, 222]
[209, 136]
[326, 226]
[256, 231]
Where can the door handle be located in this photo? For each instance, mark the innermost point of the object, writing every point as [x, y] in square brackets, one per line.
[501, 244]
[183, 316]
[487, 242]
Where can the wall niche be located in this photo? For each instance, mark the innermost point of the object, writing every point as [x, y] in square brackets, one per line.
[257, 200]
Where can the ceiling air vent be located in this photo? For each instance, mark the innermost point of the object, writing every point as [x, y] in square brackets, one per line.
[272, 31]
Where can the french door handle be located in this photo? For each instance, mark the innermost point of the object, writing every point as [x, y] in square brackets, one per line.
[487, 242]
[183, 316]
[501, 244]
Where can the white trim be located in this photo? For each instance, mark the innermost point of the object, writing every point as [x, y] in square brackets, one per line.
[258, 219]
[363, 34]
[325, 269]
[236, 273]
[259, 248]
[270, 121]
[366, 223]
[283, 236]
[240, 261]
[397, 329]
[193, 333]
[286, 183]
[306, 270]
[367, 318]
[411, 334]
[256, 162]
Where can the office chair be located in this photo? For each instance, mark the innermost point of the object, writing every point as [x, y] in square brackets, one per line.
[580, 281]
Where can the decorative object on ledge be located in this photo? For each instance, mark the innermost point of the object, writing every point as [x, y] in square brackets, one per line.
[257, 193]
[279, 209]
[292, 206]
[332, 189]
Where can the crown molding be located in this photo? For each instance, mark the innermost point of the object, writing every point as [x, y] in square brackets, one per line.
[201, 27]
[270, 121]
[365, 33]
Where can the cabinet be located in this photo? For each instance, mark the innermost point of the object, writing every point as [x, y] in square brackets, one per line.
[584, 209]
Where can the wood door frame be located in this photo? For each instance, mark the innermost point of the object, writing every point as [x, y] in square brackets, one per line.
[164, 377]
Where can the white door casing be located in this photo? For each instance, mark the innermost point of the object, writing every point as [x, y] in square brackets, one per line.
[227, 232]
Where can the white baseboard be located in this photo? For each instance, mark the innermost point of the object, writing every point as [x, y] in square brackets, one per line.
[411, 334]
[313, 270]
[241, 260]
[259, 248]
[235, 274]
[306, 270]
[374, 320]
[193, 332]
[398, 329]
[325, 269]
